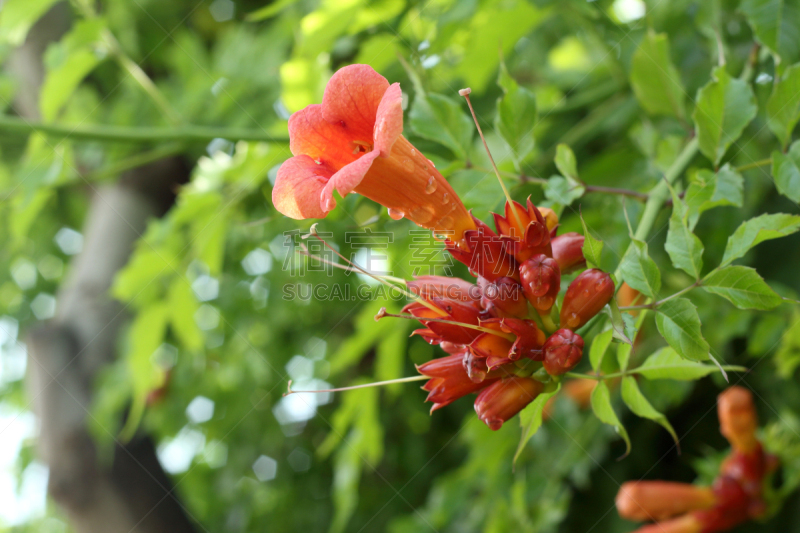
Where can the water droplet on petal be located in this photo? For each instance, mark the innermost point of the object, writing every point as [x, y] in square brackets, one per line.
[420, 215]
[395, 214]
[431, 186]
[573, 320]
[408, 165]
[445, 197]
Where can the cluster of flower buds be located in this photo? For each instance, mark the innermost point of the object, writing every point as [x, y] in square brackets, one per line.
[503, 334]
[735, 496]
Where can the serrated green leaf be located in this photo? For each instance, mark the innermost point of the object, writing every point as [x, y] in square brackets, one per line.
[743, 287]
[786, 172]
[592, 248]
[684, 247]
[639, 405]
[757, 230]
[678, 322]
[516, 116]
[654, 78]
[599, 348]
[640, 271]
[530, 419]
[566, 162]
[776, 24]
[724, 107]
[667, 364]
[563, 191]
[601, 405]
[442, 120]
[710, 189]
[783, 106]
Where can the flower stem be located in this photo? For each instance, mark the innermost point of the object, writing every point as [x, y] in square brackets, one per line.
[654, 305]
[354, 387]
[755, 164]
[134, 134]
[660, 193]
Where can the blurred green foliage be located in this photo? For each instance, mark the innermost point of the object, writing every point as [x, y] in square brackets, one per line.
[690, 101]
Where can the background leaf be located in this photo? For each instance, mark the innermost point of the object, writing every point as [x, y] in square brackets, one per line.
[679, 324]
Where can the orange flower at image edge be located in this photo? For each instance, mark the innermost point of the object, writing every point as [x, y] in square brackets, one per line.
[353, 142]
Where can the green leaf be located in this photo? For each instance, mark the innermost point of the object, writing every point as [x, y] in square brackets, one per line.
[17, 18]
[68, 63]
[146, 334]
[516, 116]
[757, 230]
[599, 348]
[743, 287]
[269, 10]
[640, 271]
[787, 356]
[625, 350]
[592, 248]
[710, 189]
[566, 162]
[724, 107]
[776, 24]
[601, 405]
[783, 106]
[442, 120]
[679, 324]
[182, 308]
[654, 78]
[622, 325]
[639, 405]
[667, 364]
[530, 419]
[562, 190]
[684, 247]
[786, 171]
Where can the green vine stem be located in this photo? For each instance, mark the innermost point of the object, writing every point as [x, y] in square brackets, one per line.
[135, 134]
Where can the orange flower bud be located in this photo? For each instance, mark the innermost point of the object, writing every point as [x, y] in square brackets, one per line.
[562, 352]
[657, 500]
[505, 398]
[568, 251]
[541, 281]
[585, 297]
[683, 524]
[737, 418]
[484, 252]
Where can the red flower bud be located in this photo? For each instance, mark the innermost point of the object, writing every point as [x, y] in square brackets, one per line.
[737, 418]
[449, 381]
[568, 251]
[541, 281]
[562, 352]
[658, 500]
[505, 398]
[585, 297]
[504, 297]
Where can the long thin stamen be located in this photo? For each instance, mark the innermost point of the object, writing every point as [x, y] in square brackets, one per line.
[354, 387]
[313, 232]
[465, 94]
[305, 251]
[382, 313]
